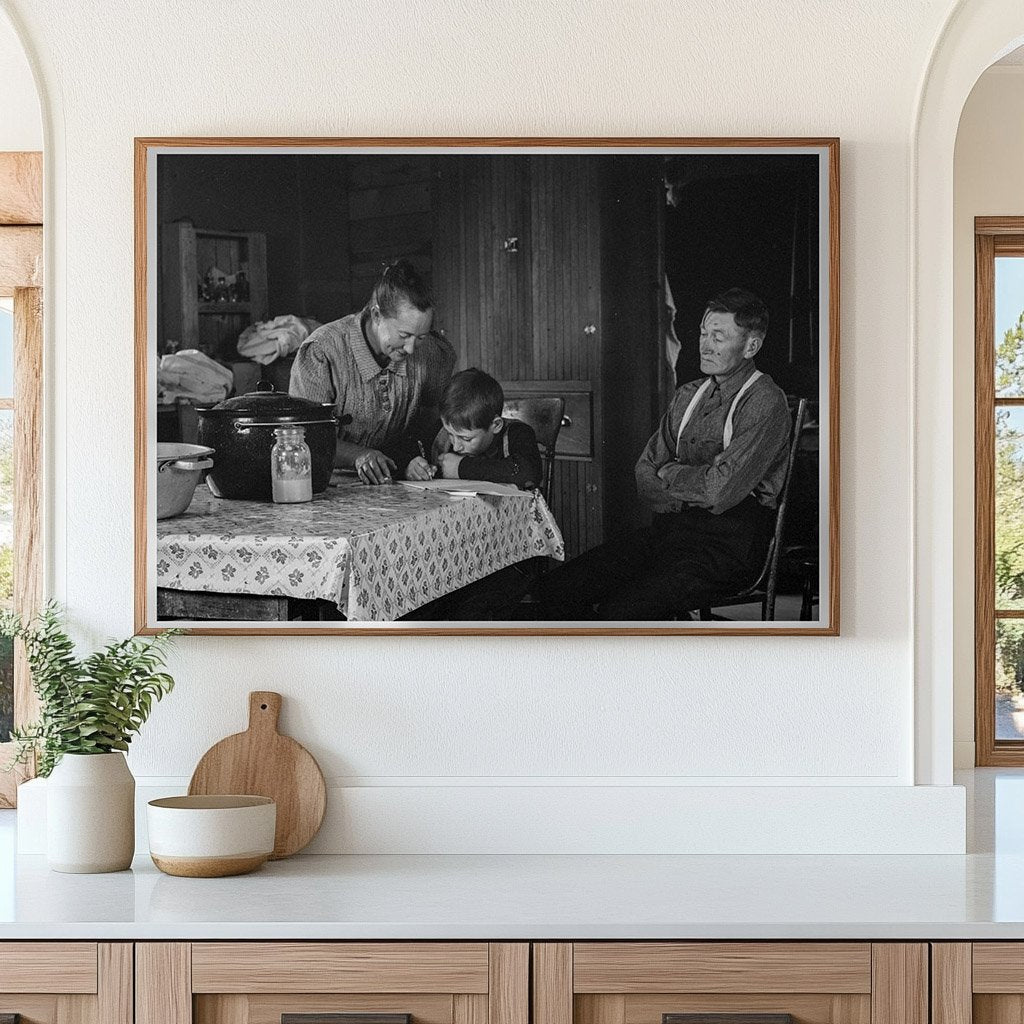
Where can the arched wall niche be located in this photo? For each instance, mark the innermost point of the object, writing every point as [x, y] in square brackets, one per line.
[977, 33]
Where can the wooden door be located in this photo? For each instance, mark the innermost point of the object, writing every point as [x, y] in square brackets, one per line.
[517, 280]
[633, 362]
[977, 983]
[66, 982]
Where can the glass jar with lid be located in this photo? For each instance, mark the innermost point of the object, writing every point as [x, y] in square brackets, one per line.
[291, 465]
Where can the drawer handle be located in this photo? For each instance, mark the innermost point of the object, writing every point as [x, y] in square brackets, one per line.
[341, 1018]
[727, 1018]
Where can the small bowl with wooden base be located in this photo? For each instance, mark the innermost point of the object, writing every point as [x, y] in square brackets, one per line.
[211, 836]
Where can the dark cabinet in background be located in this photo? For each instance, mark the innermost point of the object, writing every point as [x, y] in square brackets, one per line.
[541, 265]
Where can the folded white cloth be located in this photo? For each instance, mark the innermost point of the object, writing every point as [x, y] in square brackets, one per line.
[192, 375]
[272, 339]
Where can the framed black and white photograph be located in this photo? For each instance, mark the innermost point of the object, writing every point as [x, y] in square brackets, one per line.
[564, 386]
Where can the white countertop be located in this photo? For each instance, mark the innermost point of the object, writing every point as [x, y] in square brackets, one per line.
[517, 897]
[976, 896]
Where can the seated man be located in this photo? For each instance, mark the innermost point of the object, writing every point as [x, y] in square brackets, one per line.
[711, 475]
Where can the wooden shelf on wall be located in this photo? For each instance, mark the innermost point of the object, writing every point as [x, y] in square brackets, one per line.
[186, 253]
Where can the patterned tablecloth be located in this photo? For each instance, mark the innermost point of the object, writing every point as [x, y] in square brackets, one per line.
[376, 552]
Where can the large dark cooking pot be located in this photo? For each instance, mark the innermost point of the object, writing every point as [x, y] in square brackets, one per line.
[241, 430]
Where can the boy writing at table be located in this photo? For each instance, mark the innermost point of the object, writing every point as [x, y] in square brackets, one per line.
[476, 442]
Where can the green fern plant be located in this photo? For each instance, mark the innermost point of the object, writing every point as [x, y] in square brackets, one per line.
[90, 705]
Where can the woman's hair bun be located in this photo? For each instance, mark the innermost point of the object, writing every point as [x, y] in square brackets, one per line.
[400, 283]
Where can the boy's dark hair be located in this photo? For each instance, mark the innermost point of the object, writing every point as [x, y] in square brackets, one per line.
[749, 310]
[472, 400]
[399, 283]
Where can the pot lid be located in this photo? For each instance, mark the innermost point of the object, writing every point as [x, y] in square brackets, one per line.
[270, 406]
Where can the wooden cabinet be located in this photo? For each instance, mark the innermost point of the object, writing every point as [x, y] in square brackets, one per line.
[979, 982]
[512, 982]
[266, 982]
[66, 982]
[516, 275]
[680, 982]
[545, 272]
[205, 315]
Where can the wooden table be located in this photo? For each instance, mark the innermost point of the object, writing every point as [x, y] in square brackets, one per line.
[368, 554]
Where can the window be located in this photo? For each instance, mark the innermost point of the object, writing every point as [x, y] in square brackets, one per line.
[21, 363]
[999, 490]
[20, 491]
[6, 510]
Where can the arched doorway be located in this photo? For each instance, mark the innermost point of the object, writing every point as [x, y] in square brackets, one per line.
[977, 33]
[989, 274]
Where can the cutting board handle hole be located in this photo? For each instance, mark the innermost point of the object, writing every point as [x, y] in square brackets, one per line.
[263, 707]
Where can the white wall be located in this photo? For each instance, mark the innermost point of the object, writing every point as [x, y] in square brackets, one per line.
[21, 127]
[987, 182]
[431, 716]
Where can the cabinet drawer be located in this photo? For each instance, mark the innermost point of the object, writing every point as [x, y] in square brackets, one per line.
[66, 967]
[332, 983]
[630, 967]
[998, 967]
[340, 967]
[733, 982]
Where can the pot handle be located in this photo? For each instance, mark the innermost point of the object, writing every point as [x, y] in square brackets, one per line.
[242, 427]
[191, 464]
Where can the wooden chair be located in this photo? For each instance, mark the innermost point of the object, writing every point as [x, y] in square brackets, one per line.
[546, 414]
[803, 560]
[763, 588]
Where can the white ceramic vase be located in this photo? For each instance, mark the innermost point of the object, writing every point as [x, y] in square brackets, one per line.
[90, 814]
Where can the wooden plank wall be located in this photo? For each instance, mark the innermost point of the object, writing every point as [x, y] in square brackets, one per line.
[521, 315]
[389, 216]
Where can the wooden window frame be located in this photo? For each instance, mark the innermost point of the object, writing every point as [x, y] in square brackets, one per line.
[993, 236]
[21, 277]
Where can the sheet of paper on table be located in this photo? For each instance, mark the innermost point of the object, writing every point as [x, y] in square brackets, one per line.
[464, 488]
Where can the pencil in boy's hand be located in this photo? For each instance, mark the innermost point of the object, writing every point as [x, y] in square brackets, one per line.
[423, 455]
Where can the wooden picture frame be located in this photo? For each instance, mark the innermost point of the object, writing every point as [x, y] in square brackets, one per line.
[548, 259]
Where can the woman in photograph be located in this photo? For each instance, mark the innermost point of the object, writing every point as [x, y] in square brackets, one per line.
[386, 369]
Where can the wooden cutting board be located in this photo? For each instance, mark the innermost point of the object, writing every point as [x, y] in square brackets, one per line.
[262, 762]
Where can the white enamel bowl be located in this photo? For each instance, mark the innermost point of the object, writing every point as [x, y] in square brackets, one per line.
[179, 467]
[211, 836]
